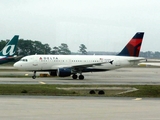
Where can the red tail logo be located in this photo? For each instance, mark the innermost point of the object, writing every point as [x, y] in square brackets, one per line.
[134, 46]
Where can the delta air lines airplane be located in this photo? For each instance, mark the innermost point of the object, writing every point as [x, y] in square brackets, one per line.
[75, 65]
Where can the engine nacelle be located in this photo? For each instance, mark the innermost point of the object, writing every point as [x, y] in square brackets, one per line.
[63, 72]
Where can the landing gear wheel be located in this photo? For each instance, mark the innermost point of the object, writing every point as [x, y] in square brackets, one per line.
[81, 77]
[74, 76]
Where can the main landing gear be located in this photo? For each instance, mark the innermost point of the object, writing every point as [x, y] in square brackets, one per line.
[34, 75]
[81, 77]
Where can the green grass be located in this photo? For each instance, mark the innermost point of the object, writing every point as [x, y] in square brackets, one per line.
[144, 91]
[30, 90]
[51, 90]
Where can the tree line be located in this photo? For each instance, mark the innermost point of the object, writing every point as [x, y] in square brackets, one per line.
[30, 47]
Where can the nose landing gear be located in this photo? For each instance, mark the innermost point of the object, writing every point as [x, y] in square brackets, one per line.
[34, 75]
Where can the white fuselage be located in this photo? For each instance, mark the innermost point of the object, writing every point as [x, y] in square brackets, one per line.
[54, 62]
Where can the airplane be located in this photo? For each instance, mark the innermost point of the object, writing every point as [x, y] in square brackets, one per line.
[7, 54]
[149, 64]
[67, 65]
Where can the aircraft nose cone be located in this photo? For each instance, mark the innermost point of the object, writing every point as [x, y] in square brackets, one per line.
[16, 65]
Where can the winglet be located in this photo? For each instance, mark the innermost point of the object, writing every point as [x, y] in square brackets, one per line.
[10, 47]
[134, 46]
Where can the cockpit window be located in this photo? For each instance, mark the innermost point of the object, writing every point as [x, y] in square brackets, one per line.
[25, 60]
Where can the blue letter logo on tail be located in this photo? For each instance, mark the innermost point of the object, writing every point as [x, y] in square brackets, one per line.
[134, 46]
[9, 49]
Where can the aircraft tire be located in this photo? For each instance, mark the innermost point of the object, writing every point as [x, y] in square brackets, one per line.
[74, 76]
[81, 77]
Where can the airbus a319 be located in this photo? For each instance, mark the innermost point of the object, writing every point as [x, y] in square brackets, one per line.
[75, 65]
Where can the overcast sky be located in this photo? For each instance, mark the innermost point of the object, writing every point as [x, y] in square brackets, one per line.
[102, 25]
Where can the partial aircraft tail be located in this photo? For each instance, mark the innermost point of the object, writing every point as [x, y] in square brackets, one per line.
[134, 46]
[10, 47]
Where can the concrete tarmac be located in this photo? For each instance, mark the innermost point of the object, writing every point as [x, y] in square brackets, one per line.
[123, 76]
[78, 108]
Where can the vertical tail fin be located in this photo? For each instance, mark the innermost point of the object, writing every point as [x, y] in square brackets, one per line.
[134, 46]
[10, 47]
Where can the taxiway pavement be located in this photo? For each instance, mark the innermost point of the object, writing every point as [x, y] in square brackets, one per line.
[123, 76]
[78, 108]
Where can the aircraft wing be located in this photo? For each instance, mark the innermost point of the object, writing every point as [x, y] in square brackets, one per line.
[84, 65]
[149, 64]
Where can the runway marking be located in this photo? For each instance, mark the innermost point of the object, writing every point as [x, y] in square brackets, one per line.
[42, 82]
[137, 99]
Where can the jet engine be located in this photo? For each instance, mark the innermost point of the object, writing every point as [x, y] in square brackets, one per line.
[63, 72]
